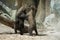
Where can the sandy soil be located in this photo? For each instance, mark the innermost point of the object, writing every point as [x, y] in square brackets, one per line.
[25, 37]
[5, 30]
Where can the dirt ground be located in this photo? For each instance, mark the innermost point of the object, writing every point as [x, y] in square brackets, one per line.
[25, 37]
[5, 35]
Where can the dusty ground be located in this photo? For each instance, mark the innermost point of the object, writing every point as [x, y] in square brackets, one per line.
[5, 29]
[25, 37]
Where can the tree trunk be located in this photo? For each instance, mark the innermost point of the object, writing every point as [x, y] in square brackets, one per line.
[40, 16]
[47, 7]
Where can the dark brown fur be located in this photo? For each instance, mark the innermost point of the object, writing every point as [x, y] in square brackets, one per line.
[19, 23]
[31, 19]
[32, 22]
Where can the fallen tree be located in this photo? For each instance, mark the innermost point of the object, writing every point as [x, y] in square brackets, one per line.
[7, 22]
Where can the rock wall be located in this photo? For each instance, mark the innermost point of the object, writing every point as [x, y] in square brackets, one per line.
[52, 21]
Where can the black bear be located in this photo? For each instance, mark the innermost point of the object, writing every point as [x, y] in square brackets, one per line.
[19, 23]
[22, 15]
[31, 20]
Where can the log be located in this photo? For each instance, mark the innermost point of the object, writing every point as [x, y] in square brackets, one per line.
[9, 23]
